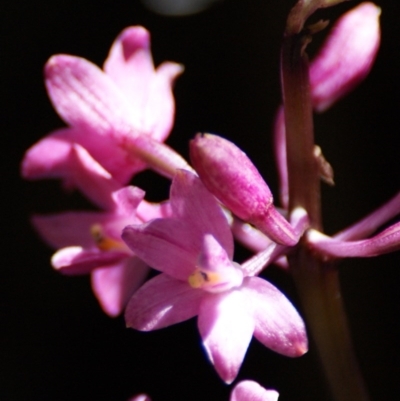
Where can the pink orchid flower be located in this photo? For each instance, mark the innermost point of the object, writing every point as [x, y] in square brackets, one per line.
[116, 114]
[345, 59]
[248, 390]
[193, 249]
[90, 242]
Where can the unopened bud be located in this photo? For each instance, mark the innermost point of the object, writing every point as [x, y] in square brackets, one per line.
[229, 174]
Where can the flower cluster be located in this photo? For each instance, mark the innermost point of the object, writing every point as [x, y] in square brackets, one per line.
[118, 119]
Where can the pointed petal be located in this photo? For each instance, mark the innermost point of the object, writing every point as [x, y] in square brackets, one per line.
[149, 92]
[91, 178]
[160, 107]
[48, 158]
[278, 324]
[69, 228]
[114, 285]
[148, 211]
[130, 66]
[347, 56]
[191, 201]
[167, 245]
[74, 260]
[85, 97]
[226, 327]
[248, 390]
[161, 302]
[127, 200]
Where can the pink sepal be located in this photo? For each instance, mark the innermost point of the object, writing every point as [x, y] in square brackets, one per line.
[220, 316]
[75, 260]
[248, 390]
[384, 242]
[277, 323]
[347, 56]
[161, 302]
[113, 286]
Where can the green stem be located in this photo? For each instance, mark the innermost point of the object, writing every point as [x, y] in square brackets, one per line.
[317, 281]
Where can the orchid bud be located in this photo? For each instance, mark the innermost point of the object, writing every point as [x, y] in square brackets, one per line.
[229, 174]
[347, 56]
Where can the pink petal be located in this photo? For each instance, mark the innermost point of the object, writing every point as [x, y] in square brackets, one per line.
[74, 260]
[92, 179]
[248, 390]
[192, 202]
[130, 65]
[86, 97]
[347, 56]
[226, 327]
[51, 156]
[167, 245]
[160, 109]
[48, 158]
[149, 92]
[69, 228]
[277, 323]
[114, 286]
[148, 211]
[161, 302]
[127, 200]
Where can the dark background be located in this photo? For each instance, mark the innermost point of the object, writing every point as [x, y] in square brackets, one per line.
[56, 344]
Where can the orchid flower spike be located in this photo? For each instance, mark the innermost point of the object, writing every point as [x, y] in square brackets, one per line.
[229, 174]
[120, 115]
[194, 250]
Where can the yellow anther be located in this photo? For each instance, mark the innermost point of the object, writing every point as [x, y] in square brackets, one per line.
[105, 243]
[203, 279]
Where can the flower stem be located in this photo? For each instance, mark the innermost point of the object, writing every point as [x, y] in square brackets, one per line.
[317, 281]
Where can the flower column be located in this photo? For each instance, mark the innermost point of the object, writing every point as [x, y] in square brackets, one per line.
[316, 280]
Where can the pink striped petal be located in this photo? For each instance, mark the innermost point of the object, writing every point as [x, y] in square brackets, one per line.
[114, 285]
[149, 91]
[277, 323]
[161, 302]
[85, 97]
[192, 202]
[130, 65]
[226, 327]
[248, 390]
[167, 245]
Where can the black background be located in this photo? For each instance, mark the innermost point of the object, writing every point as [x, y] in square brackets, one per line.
[56, 344]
